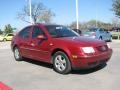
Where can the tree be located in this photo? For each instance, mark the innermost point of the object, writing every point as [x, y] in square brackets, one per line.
[73, 25]
[39, 13]
[115, 22]
[1, 32]
[116, 7]
[91, 24]
[8, 29]
[46, 16]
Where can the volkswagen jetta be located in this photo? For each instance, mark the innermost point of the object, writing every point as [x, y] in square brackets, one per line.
[60, 46]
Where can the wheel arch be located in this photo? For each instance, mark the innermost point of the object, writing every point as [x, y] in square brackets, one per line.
[59, 49]
[14, 47]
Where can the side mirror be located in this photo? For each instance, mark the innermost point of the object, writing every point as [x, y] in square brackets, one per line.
[41, 37]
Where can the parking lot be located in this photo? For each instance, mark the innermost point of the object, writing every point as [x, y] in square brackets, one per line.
[32, 75]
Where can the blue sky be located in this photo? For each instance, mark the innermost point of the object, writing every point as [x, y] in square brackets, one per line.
[63, 9]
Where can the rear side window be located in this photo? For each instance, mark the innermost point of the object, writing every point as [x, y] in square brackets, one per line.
[37, 31]
[25, 33]
[10, 35]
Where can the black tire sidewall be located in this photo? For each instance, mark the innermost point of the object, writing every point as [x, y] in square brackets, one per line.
[100, 38]
[68, 65]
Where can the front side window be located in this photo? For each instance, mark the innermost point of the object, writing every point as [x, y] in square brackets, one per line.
[57, 31]
[37, 31]
[25, 33]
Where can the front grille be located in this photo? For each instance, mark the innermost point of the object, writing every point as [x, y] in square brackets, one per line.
[102, 48]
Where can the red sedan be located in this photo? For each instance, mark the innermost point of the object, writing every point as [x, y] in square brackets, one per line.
[60, 46]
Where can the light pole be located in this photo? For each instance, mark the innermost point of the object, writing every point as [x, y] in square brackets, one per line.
[96, 24]
[77, 18]
[30, 8]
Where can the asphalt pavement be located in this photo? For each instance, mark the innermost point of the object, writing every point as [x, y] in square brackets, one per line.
[32, 75]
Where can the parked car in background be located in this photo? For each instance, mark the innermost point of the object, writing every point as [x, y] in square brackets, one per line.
[98, 33]
[60, 46]
[78, 31]
[7, 37]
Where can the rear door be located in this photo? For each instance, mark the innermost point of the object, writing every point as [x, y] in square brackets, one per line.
[24, 41]
[101, 34]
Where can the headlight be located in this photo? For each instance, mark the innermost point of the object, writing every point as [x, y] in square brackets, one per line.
[88, 49]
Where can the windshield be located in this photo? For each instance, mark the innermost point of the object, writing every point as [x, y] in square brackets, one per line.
[57, 31]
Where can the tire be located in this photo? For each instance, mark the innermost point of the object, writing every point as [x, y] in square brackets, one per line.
[4, 39]
[110, 39]
[100, 38]
[102, 65]
[61, 63]
[17, 54]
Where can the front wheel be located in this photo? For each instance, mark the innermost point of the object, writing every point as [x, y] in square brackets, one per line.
[61, 63]
[17, 55]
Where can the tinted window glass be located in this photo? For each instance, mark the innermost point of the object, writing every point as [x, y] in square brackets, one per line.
[25, 33]
[93, 29]
[37, 31]
[10, 34]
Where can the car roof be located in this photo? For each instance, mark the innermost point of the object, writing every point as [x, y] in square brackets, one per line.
[44, 24]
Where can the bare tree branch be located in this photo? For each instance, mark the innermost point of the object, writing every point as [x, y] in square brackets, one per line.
[39, 13]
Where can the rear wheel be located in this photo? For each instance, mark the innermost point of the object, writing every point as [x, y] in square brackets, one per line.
[100, 38]
[61, 63]
[17, 55]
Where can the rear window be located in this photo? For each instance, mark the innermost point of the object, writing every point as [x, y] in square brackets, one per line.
[93, 29]
[25, 33]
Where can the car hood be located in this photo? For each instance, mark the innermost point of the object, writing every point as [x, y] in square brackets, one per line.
[83, 41]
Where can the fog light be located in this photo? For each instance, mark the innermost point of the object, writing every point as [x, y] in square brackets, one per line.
[74, 56]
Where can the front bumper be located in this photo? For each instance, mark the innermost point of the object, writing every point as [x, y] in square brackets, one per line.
[87, 62]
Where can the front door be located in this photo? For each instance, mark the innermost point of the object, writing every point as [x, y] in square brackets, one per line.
[40, 48]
